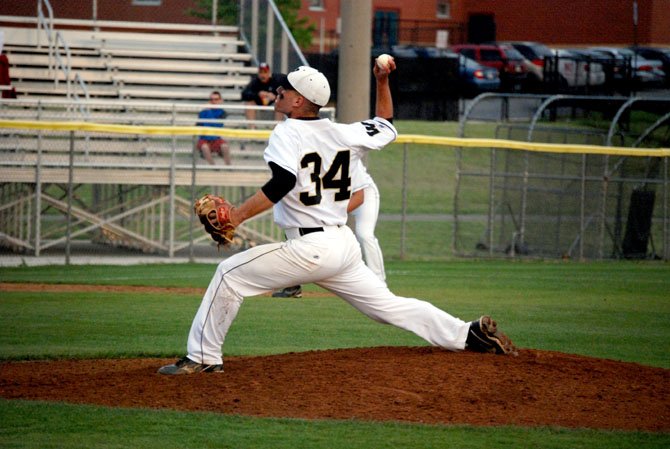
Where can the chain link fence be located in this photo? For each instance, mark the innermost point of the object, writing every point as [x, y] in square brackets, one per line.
[567, 204]
[77, 187]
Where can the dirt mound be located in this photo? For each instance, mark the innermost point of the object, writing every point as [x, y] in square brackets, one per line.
[417, 384]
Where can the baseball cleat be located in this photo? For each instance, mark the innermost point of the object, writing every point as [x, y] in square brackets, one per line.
[484, 336]
[289, 292]
[188, 366]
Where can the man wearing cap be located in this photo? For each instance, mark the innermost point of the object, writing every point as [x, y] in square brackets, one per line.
[261, 91]
[313, 162]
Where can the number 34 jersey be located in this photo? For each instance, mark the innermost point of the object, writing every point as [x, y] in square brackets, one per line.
[323, 156]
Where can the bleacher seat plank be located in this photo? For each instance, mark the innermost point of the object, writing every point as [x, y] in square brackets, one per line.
[42, 73]
[167, 65]
[221, 176]
[32, 87]
[41, 60]
[177, 54]
[181, 79]
[173, 93]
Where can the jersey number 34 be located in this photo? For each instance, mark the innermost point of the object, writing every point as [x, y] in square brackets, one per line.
[337, 177]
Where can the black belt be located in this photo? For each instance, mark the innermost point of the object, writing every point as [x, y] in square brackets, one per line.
[305, 231]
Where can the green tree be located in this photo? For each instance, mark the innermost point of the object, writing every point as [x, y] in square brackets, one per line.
[228, 12]
[302, 30]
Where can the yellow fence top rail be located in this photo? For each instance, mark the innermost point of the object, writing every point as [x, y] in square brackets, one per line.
[458, 142]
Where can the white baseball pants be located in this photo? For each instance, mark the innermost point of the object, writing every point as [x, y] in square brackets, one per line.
[366, 220]
[331, 259]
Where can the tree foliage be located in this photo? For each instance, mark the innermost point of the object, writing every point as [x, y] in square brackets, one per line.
[228, 12]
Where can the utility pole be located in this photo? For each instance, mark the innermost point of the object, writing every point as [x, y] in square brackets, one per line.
[353, 86]
[635, 17]
[634, 61]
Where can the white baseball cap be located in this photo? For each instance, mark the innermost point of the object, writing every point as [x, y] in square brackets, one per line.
[310, 83]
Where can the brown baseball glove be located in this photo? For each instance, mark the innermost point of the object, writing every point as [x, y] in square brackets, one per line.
[214, 213]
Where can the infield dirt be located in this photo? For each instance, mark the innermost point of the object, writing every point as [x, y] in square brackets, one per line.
[410, 384]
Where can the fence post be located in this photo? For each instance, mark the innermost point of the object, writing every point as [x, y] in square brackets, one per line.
[666, 243]
[191, 257]
[38, 186]
[173, 162]
[491, 211]
[254, 30]
[70, 190]
[269, 36]
[457, 189]
[603, 209]
[403, 215]
[524, 201]
[582, 209]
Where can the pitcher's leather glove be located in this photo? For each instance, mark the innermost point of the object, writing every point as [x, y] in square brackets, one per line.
[214, 213]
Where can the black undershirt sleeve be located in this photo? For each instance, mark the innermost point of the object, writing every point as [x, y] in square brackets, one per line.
[280, 184]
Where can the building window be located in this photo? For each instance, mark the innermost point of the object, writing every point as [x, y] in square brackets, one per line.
[443, 9]
[147, 2]
[316, 5]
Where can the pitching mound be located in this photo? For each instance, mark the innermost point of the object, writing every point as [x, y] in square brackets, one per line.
[419, 384]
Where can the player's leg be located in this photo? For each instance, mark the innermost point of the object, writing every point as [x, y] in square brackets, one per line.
[203, 146]
[360, 287]
[366, 219]
[250, 114]
[220, 146]
[252, 272]
[225, 152]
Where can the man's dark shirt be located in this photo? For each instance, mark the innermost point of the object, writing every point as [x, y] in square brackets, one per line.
[250, 93]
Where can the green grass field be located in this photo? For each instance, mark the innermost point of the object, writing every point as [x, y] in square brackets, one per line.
[616, 310]
[612, 310]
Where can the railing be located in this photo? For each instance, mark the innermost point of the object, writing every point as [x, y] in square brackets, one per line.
[48, 26]
[570, 204]
[133, 112]
[97, 25]
[64, 66]
[135, 187]
[258, 19]
[55, 41]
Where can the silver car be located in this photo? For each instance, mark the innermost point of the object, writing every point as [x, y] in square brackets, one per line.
[576, 70]
[645, 71]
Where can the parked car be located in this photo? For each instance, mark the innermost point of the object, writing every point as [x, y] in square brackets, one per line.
[579, 68]
[509, 62]
[477, 78]
[658, 54]
[618, 71]
[535, 76]
[535, 52]
[646, 72]
[570, 72]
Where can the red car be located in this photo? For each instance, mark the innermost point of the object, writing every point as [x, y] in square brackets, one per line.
[507, 60]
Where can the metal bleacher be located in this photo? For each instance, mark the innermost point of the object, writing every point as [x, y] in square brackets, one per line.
[160, 75]
[137, 185]
[99, 147]
[175, 65]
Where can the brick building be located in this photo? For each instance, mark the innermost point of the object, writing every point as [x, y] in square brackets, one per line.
[557, 23]
[160, 11]
[423, 22]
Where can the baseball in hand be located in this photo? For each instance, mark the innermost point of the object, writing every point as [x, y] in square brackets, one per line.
[383, 61]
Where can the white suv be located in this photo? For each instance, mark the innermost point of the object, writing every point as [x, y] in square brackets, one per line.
[578, 70]
[572, 70]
